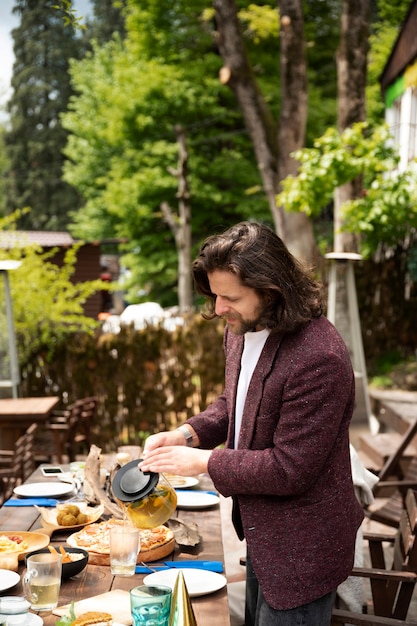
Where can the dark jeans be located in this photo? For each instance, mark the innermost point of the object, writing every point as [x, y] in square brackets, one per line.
[259, 613]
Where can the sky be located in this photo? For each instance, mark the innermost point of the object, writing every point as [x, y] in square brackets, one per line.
[8, 21]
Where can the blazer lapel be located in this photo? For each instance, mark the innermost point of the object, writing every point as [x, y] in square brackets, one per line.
[255, 390]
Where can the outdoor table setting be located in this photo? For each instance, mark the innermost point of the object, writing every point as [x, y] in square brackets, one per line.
[190, 564]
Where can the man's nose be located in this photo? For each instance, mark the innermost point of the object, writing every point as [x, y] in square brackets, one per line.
[222, 306]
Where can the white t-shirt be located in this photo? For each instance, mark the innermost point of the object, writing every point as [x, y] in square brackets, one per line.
[254, 343]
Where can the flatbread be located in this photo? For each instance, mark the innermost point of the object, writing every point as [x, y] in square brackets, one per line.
[155, 543]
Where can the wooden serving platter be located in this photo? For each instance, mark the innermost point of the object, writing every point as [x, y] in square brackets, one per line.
[155, 554]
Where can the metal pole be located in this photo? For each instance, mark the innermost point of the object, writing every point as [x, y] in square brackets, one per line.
[14, 365]
[348, 322]
[5, 267]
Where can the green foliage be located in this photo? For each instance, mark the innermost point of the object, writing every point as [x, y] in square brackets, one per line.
[384, 213]
[67, 620]
[47, 305]
[261, 22]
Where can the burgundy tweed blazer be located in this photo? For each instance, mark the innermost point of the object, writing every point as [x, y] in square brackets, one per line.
[291, 476]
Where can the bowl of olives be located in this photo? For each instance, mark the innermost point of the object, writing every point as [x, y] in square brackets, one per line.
[69, 515]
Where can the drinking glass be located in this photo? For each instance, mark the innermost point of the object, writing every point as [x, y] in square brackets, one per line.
[42, 580]
[150, 605]
[124, 549]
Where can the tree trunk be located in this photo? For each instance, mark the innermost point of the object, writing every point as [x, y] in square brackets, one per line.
[272, 147]
[351, 76]
[296, 228]
[181, 225]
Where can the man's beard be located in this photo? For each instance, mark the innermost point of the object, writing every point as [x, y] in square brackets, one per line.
[243, 326]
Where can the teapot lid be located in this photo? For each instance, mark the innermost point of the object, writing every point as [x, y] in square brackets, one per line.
[130, 483]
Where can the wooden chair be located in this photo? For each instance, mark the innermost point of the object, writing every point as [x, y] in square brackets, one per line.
[18, 464]
[66, 431]
[395, 478]
[392, 585]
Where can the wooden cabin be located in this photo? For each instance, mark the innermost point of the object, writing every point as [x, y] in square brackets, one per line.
[399, 88]
[89, 257]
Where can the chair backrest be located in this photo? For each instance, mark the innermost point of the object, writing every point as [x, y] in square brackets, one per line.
[393, 460]
[392, 598]
[18, 464]
[24, 452]
[80, 416]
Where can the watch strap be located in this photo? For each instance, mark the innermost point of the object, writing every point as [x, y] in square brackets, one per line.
[187, 434]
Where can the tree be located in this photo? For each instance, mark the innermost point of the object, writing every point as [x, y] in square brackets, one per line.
[180, 224]
[43, 45]
[122, 144]
[108, 19]
[351, 72]
[273, 143]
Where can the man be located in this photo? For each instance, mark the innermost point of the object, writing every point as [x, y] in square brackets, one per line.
[284, 415]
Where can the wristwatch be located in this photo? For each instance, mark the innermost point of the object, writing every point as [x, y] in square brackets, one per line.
[187, 434]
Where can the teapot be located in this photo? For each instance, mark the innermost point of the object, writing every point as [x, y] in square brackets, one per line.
[147, 497]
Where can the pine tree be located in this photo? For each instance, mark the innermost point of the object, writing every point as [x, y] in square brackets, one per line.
[108, 19]
[43, 45]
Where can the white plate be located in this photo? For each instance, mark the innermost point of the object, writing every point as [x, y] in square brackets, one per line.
[8, 579]
[33, 620]
[41, 490]
[196, 500]
[181, 482]
[199, 582]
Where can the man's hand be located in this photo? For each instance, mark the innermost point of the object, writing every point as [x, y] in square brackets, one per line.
[175, 460]
[166, 438]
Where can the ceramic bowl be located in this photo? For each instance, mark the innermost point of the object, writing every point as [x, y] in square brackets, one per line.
[68, 569]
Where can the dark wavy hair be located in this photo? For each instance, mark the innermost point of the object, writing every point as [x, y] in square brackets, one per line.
[259, 258]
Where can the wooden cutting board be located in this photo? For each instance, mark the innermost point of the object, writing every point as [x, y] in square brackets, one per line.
[144, 556]
[116, 602]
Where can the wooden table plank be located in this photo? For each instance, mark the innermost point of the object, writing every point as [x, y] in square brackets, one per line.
[95, 579]
[17, 414]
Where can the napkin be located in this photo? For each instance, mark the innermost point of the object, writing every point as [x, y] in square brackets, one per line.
[212, 566]
[212, 493]
[31, 502]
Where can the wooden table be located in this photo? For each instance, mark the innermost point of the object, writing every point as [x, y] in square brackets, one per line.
[96, 579]
[17, 414]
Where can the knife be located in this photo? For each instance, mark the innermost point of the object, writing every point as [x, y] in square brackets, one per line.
[212, 566]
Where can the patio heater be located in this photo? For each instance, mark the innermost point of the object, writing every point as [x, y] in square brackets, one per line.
[343, 312]
[9, 365]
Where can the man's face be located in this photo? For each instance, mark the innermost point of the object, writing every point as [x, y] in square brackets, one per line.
[240, 306]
